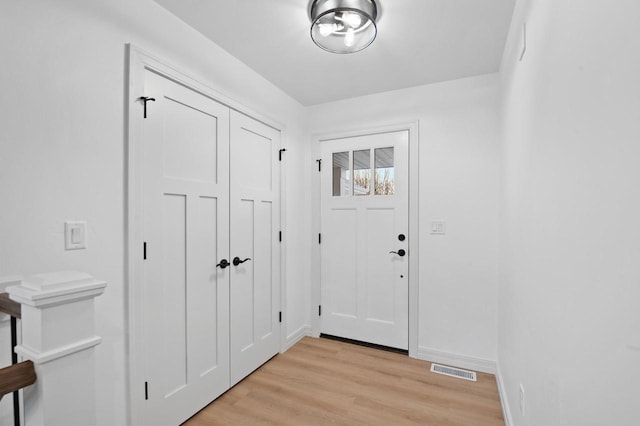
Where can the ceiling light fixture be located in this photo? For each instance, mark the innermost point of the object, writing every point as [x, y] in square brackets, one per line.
[343, 26]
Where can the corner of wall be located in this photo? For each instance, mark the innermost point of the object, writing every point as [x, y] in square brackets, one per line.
[504, 400]
[296, 336]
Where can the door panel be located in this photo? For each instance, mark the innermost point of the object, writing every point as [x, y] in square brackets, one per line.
[255, 222]
[341, 269]
[185, 211]
[364, 197]
[174, 286]
[380, 300]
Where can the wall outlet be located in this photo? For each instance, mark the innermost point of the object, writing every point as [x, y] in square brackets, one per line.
[438, 228]
[521, 400]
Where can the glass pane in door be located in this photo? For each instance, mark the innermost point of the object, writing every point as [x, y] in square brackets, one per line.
[362, 172]
[384, 178]
[341, 180]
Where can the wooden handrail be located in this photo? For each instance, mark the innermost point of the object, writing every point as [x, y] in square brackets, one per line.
[9, 306]
[16, 377]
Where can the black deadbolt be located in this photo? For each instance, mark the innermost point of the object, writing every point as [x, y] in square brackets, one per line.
[401, 237]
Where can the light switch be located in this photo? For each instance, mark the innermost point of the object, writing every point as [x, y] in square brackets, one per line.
[75, 235]
[438, 228]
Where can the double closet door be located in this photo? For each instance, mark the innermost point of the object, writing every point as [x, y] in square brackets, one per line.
[211, 269]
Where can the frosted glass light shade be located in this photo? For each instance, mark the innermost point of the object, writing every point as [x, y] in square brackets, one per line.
[343, 26]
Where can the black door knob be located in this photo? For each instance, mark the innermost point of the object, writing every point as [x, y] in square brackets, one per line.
[223, 264]
[400, 252]
[237, 261]
[401, 237]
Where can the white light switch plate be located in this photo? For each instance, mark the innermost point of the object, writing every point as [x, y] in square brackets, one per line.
[75, 235]
[438, 228]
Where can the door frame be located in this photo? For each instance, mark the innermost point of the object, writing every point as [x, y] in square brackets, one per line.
[137, 62]
[413, 258]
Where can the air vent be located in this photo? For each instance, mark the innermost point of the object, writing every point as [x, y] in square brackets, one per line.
[454, 372]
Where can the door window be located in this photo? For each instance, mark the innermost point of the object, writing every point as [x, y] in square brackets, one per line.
[341, 174]
[362, 172]
[384, 178]
[360, 168]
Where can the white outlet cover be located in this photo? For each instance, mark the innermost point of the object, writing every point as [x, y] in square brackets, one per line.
[75, 235]
[438, 227]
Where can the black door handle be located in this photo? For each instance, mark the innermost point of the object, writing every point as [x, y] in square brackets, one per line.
[237, 261]
[400, 252]
[223, 264]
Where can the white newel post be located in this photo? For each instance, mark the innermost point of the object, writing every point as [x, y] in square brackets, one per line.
[58, 335]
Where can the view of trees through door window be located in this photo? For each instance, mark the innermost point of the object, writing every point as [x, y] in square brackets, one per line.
[384, 181]
[360, 168]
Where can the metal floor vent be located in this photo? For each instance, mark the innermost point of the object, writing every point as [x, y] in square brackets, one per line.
[454, 372]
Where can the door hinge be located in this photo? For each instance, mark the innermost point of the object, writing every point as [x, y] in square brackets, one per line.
[146, 391]
[144, 250]
[319, 164]
[144, 100]
[280, 316]
[280, 153]
[280, 236]
[319, 238]
[319, 310]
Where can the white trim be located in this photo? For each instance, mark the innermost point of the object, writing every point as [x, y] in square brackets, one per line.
[55, 288]
[283, 243]
[504, 400]
[456, 360]
[138, 61]
[315, 266]
[54, 298]
[52, 355]
[414, 236]
[413, 127]
[297, 335]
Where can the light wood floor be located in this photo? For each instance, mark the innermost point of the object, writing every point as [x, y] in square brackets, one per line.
[326, 382]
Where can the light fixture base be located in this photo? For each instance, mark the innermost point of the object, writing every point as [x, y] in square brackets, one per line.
[343, 26]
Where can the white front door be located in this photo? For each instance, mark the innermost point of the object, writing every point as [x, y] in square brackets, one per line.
[255, 225]
[185, 215]
[364, 246]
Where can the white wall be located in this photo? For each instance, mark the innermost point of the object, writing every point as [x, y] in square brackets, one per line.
[459, 183]
[570, 281]
[62, 156]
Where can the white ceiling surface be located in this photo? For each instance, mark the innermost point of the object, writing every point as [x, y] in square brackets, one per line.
[419, 42]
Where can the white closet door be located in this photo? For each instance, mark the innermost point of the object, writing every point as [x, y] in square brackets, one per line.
[185, 219]
[254, 226]
[364, 250]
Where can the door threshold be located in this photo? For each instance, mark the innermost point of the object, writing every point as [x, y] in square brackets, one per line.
[365, 344]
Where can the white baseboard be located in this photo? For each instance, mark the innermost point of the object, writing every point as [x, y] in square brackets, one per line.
[504, 401]
[295, 337]
[455, 360]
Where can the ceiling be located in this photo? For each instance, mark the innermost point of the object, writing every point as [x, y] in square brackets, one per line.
[419, 42]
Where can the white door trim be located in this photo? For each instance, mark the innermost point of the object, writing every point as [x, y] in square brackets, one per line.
[413, 129]
[139, 61]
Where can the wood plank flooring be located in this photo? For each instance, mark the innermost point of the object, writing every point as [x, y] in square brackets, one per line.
[327, 382]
